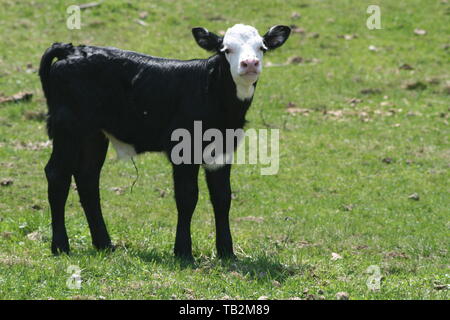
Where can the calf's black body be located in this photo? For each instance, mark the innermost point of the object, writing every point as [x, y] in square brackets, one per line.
[139, 100]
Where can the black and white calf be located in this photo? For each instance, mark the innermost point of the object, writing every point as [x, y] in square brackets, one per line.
[101, 94]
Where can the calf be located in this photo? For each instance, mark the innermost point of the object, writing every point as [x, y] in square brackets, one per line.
[136, 101]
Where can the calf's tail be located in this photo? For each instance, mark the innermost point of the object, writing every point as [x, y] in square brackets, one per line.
[59, 51]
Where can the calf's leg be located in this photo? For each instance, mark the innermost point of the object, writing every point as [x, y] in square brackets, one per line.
[186, 195]
[87, 177]
[59, 171]
[220, 194]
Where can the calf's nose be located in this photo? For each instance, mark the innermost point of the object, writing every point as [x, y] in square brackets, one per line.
[250, 65]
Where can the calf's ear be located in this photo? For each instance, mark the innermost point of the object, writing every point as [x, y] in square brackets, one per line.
[276, 36]
[207, 40]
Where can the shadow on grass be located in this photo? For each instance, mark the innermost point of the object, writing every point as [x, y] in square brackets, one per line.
[265, 268]
[261, 267]
[165, 258]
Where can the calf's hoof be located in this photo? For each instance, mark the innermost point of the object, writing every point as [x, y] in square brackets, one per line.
[60, 248]
[227, 256]
[185, 258]
[109, 247]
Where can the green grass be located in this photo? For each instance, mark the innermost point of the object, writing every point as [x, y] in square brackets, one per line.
[333, 192]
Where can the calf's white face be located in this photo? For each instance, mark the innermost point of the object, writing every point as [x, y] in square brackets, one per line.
[243, 48]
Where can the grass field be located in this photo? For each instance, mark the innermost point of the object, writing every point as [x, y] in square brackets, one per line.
[364, 158]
